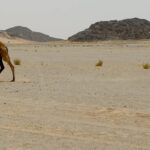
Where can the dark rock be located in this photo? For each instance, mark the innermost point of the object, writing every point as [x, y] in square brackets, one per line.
[134, 28]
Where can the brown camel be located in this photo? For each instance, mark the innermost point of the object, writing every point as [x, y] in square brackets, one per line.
[5, 56]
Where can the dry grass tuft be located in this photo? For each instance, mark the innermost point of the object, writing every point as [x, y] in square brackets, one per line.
[17, 61]
[99, 63]
[146, 66]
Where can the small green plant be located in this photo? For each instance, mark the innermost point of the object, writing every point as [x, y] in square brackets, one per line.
[17, 61]
[99, 63]
[146, 66]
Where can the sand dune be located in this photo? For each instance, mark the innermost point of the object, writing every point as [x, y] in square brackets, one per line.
[61, 100]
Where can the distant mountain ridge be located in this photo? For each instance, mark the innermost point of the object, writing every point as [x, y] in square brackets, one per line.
[133, 28]
[27, 34]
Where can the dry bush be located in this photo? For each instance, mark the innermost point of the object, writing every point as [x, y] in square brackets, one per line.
[99, 63]
[146, 66]
[17, 61]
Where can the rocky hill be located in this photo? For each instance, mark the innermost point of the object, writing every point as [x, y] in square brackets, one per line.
[27, 34]
[134, 28]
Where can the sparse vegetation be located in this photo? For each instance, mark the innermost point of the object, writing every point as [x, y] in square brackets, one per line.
[146, 66]
[99, 63]
[17, 61]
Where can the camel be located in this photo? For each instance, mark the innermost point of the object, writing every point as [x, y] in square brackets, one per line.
[5, 56]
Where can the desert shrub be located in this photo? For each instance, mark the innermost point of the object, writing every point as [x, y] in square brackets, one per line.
[99, 63]
[17, 61]
[146, 66]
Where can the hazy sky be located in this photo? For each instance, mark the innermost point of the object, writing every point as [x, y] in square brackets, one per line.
[62, 18]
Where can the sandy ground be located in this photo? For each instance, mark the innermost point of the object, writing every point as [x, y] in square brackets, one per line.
[61, 101]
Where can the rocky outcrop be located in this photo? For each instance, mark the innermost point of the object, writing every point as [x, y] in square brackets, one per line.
[134, 28]
[27, 34]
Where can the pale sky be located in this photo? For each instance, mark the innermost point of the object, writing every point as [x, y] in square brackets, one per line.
[63, 18]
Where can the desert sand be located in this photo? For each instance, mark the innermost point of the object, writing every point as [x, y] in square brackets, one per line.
[62, 101]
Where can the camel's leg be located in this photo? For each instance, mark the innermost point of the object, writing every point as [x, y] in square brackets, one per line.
[6, 58]
[1, 65]
[12, 69]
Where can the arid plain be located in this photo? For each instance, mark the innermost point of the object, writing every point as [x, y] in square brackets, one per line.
[62, 101]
